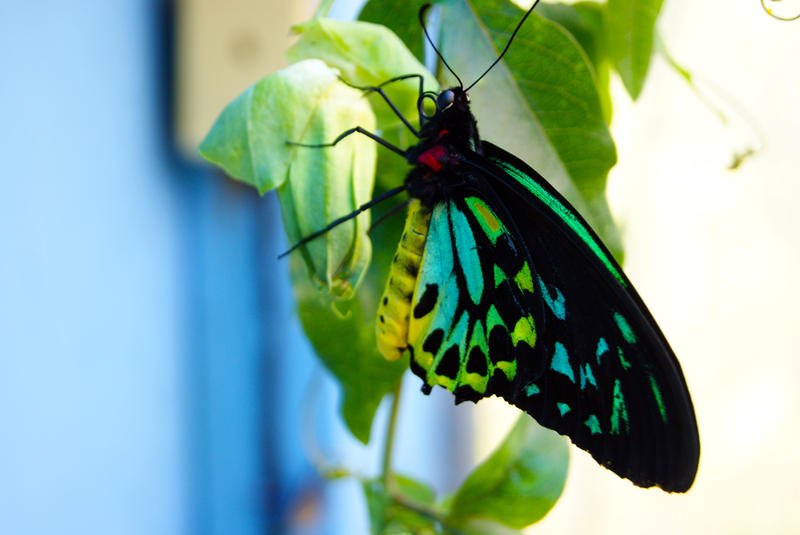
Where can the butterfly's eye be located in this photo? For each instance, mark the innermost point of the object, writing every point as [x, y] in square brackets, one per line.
[427, 104]
[445, 100]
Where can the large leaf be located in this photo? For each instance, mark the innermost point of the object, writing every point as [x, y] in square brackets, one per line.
[519, 482]
[304, 103]
[540, 102]
[401, 17]
[630, 27]
[585, 22]
[343, 332]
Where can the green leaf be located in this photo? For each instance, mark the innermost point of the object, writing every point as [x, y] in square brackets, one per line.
[480, 526]
[378, 502]
[366, 54]
[519, 482]
[388, 515]
[630, 27]
[401, 17]
[539, 103]
[412, 489]
[585, 22]
[304, 103]
[343, 332]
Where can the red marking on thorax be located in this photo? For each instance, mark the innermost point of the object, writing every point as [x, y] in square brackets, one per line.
[433, 157]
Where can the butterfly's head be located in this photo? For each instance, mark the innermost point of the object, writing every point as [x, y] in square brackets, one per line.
[448, 103]
[455, 96]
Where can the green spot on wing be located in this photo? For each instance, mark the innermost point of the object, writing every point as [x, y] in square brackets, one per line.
[593, 424]
[659, 401]
[524, 279]
[563, 408]
[618, 410]
[532, 389]
[622, 360]
[491, 226]
[624, 328]
[499, 276]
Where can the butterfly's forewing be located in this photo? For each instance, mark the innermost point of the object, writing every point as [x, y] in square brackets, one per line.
[517, 297]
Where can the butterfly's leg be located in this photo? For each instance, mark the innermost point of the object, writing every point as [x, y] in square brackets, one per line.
[379, 90]
[346, 133]
[366, 206]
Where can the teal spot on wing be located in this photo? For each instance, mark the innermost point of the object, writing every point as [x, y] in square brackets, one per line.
[587, 376]
[560, 362]
[622, 360]
[439, 245]
[467, 252]
[659, 401]
[619, 412]
[566, 215]
[557, 304]
[531, 389]
[593, 424]
[624, 328]
[563, 408]
[440, 271]
[602, 347]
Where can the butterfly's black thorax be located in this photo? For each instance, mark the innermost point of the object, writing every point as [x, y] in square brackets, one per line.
[444, 138]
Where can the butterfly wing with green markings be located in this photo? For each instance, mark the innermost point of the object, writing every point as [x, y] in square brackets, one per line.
[517, 297]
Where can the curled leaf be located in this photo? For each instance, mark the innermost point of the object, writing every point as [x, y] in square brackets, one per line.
[305, 103]
[366, 55]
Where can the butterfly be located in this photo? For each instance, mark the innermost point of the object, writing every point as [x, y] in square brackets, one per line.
[500, 287]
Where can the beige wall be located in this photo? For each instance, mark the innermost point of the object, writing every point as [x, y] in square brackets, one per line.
[716, 255]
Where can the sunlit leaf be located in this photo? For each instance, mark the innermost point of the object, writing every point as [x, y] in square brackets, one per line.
[397, 510]
[304, 103]
[366, 55]
[585, 22]
[539, 103]
[630, 27]
[519, 482]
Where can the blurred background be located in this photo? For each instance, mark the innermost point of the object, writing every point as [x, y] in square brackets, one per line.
[154, 379]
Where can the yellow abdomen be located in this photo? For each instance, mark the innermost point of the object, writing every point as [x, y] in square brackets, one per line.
[395, 304]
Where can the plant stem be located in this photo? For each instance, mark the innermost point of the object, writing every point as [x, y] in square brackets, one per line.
[388, 445]
[323, 9]
[430, 514]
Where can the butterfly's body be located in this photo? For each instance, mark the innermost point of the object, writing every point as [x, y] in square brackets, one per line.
[500, 288]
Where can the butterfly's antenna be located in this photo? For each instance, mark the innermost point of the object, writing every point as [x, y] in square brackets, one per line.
[422, 12]
[505, 49]
[351, 215]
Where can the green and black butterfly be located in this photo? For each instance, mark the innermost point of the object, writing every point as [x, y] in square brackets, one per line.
[499, 287]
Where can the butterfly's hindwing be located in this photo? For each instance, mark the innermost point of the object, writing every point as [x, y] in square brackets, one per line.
[471, 323]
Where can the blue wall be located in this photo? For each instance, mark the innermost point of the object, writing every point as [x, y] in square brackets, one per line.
[152, 374]
[92, 294]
